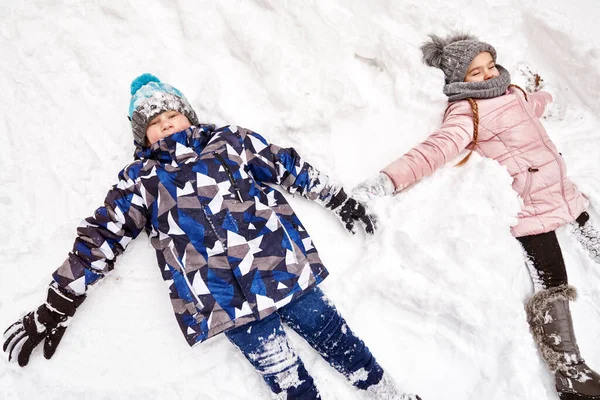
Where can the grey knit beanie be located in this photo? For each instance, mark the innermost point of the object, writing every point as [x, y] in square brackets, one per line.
[454, 54]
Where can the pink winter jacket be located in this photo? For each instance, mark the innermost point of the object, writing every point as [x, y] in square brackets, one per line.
[510, 132]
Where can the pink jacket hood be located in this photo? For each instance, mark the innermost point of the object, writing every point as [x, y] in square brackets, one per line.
[510, 132]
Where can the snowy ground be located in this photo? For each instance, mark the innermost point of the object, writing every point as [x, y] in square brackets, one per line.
[437, 294]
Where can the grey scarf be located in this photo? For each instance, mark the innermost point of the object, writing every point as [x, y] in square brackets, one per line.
[479, 90]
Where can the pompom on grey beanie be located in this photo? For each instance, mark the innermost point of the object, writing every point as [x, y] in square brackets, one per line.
[454, 53]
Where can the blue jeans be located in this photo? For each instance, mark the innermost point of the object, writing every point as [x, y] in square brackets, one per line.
[312, 316]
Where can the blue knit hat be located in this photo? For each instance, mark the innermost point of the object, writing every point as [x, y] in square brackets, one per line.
[150, 97]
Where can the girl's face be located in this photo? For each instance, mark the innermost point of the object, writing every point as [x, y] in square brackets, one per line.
[165, 124]
[482, 68]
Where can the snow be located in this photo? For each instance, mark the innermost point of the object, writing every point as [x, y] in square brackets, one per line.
[589, 238]
[437, 294]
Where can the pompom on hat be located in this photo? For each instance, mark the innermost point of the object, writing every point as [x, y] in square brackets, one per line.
[454, 53]
[150, 97]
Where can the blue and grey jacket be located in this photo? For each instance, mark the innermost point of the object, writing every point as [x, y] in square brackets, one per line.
[229, 246]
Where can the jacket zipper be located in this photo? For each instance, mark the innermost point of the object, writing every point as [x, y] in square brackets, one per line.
[208, 218]
[235, 186]
[187, 281]
[212, 226]
[289, 239]
[562, 184]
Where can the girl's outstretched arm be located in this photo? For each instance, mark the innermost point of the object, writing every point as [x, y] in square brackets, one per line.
[441, 146]
[539, 100]
[455, 134]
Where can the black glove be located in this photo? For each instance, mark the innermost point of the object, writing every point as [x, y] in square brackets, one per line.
[48, 322]
[351, 211]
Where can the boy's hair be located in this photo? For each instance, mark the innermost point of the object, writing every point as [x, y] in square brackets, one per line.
[150, 97]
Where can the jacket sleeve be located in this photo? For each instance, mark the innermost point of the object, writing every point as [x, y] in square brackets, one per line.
[455, 134]
[539, 100]
[270, 163]
[105, 235]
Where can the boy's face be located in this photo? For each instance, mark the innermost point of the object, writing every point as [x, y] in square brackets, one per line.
[482, 68]
[165, 124]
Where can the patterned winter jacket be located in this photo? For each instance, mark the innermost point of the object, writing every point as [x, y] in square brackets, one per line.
[229, 247]
[511, 133]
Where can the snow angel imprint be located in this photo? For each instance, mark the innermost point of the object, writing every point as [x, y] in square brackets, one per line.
[234, 255]
[489, 115]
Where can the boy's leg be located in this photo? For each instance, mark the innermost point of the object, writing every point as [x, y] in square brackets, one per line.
[265, 344]
[316, 319]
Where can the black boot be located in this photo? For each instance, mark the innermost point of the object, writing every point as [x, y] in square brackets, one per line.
[549, 316]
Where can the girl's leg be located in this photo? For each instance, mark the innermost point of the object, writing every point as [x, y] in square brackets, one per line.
[549, 316]
[587, 236]
[316, 319]
[545, 260]
[265, 344]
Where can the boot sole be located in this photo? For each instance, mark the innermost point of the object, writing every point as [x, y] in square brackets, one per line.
[573, 396]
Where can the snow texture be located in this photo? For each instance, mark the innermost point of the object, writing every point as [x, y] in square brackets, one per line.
[589, 237]
[437, 294]
[386, 388]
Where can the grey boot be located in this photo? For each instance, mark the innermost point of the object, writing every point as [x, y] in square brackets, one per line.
[549, 316]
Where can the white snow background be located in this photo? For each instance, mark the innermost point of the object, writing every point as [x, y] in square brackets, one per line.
[437, 294]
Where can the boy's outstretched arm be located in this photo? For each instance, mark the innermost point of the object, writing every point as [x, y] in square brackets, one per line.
[283, 166]
[100, 239]
[105, 235]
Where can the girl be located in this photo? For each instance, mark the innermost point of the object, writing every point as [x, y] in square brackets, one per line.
[233, 253]
[498, 120]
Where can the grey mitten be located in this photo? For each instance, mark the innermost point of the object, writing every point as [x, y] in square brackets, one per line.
[377, 186]
[48, 322]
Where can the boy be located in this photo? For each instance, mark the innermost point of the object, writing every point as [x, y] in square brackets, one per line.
[234, 254]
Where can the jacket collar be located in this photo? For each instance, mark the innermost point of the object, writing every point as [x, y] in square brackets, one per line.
[178, 146]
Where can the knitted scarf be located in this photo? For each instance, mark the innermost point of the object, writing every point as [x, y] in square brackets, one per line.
[479, 90]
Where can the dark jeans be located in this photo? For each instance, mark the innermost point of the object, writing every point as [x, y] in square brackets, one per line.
[312, 316]
[545, 254]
